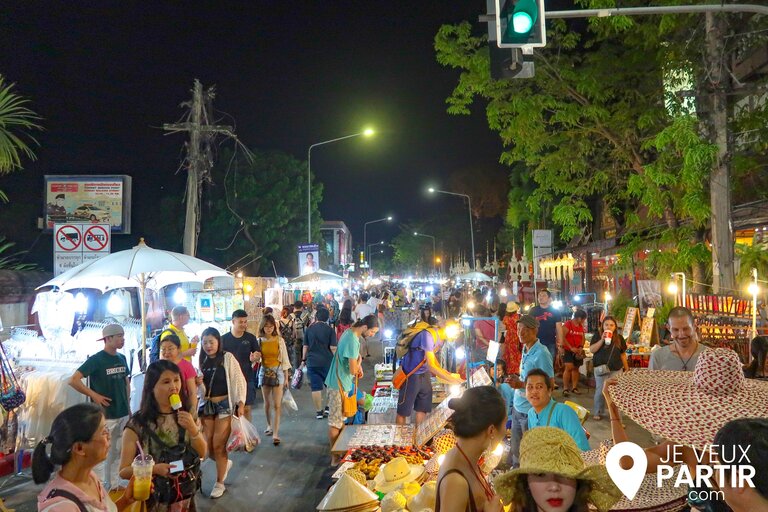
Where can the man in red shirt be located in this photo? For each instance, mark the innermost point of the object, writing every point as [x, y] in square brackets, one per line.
[573, 350]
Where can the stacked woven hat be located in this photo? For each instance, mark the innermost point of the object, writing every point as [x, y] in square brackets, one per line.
[348, 495]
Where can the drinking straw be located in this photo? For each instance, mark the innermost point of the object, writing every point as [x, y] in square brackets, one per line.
[138, 444]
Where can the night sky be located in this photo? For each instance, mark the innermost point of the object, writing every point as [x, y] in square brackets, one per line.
[290, 74]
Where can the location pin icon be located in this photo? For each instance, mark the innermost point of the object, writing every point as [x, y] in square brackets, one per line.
[627, 480]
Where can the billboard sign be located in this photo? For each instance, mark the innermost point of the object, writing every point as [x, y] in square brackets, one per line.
[88, 199]
[309, 258]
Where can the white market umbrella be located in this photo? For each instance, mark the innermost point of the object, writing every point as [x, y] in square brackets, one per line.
[317, 275]
[474, 276]
[141, 267]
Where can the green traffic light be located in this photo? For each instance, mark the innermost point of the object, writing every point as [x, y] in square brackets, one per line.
[524, 16]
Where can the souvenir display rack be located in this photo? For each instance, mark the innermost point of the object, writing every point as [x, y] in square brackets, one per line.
[723, 320]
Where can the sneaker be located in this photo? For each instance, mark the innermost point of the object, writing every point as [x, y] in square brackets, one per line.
[226, 473]
[326, 412]
[320, 415]
[218, 490]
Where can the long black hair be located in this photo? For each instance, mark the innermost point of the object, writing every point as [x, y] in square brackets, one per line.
[149, 410]
[210, 331]
[76, 424]
[345, 317]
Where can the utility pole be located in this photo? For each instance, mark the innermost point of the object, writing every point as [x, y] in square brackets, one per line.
[199, 159]
[715, 83]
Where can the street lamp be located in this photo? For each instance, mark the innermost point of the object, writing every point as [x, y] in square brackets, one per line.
[753, 290]
[368, 249]
[469, 204]
[368, 132]
[673, 289]
[365, 232]
[434, 259]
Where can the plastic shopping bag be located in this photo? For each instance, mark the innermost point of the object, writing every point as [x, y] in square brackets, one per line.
[298, 377]
[288, 401]
[244, 435]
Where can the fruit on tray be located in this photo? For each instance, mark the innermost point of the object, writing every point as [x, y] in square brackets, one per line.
[369, 468]
[386, 453]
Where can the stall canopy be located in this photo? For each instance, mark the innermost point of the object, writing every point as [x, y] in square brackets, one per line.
[318, 275]
[141, 267]
[474, 276]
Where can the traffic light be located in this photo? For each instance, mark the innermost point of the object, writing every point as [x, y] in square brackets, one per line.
[520, 23]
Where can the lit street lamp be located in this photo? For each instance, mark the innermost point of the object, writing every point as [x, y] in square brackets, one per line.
[673, 289]
[368, 132]
[753, 290]
[434, 260]
[469, 203]
[365, 233]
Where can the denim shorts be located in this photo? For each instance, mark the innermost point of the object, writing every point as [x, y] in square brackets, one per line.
[221, 409]
[317, 375]
[416, 394]
[280, 376]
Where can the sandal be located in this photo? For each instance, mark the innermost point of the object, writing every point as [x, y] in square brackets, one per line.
[575, 391]
[565, 392]
[268, 431]
[276, 441]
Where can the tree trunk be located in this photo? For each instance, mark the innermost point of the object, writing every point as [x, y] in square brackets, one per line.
[716, 86]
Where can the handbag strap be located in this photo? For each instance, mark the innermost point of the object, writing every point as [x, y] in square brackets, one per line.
[210, 387]
[68, 496]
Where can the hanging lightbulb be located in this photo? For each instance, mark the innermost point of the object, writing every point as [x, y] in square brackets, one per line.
[672, 288]
[81, 303]
[460, 353]
[114, 305]
[503, 292]
[179, 296]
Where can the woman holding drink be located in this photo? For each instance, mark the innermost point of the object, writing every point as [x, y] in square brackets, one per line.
[171, 443]
[610, 357]
[79, 441]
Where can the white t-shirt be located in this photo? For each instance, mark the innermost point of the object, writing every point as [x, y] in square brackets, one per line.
[361, 311]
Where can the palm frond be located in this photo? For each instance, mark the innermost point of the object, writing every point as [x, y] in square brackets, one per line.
[16, 123]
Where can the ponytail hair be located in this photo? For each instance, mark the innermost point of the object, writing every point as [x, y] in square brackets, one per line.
[76, 424]
[369, 322]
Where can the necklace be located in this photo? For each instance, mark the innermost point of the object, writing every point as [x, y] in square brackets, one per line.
[685, 361]
[486, 487]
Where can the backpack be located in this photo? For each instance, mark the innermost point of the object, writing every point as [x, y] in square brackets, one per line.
[154, 351]
[286, 331]
[403, 345]
[300, 323]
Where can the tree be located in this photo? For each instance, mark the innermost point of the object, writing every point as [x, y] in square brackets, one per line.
[257, 212]
[16, 123]
[590, 131]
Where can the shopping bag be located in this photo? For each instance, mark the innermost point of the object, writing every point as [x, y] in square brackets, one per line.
[288, 401]
[298, 377]
[243, 436]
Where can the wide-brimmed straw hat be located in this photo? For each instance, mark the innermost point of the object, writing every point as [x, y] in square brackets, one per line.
[649, 497]
[551, 450]
[690, 407]
[395, 473]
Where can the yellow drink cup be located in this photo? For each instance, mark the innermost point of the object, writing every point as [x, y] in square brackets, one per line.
[142, 477]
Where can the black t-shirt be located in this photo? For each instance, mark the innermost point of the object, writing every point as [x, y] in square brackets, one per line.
[241, 348]
[320, 337]
[611, 354]
[548, 318]
[215, 376]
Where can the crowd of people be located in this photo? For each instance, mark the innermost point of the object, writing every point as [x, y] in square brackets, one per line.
[326, 340]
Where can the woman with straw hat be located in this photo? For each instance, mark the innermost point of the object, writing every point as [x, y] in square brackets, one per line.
[553, 477]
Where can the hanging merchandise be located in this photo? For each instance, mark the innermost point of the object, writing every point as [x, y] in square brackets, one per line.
[11, 394]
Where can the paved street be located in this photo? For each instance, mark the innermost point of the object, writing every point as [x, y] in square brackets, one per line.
[295, 475]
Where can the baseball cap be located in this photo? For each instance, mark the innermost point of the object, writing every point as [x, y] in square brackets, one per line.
[111, 330]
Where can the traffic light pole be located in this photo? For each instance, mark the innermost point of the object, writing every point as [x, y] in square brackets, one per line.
[671, 9]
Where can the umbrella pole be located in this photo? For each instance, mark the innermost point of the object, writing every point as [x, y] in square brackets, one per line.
[142, 294]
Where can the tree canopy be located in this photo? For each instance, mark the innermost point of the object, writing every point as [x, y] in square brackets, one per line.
[256, 211]
[604, 126]
[17, 121]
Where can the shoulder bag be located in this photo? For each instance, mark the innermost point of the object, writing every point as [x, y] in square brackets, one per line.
[604, 369]
[182, 485]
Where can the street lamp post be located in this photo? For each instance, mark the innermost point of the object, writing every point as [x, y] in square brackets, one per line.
[365, 234]
[415, 233]
[368, 251]
[367, 133]
[673, 287]
[754, 289]
[471, 229]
